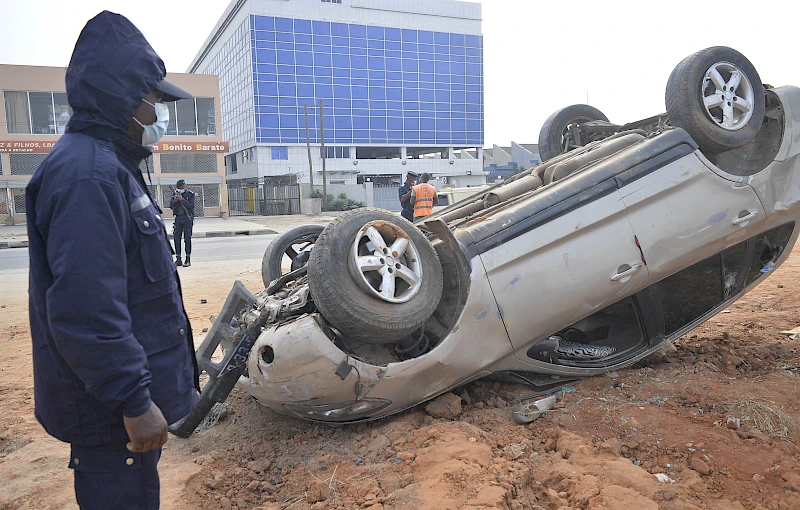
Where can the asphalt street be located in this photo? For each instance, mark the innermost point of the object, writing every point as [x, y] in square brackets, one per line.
[208, 249]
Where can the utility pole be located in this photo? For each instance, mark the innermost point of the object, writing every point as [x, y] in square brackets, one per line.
[308, 146]
[324, 175]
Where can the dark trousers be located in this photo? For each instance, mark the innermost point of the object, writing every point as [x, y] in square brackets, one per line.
[408, 214]
[183, 228]
[109, 479]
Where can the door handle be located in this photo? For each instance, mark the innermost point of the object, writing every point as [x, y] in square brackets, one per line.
[745, 219]
[621, 276]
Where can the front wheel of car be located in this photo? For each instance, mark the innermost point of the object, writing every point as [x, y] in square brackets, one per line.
[716, 95]
[374, 276]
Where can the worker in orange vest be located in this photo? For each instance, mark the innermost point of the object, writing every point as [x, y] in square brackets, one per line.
[423, 197]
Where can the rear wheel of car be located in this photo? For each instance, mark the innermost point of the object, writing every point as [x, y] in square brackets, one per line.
[716, 95]
[374, 276]
[293, 247]
[553, 139]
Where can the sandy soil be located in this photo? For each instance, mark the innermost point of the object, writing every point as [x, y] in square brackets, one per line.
[601, 448]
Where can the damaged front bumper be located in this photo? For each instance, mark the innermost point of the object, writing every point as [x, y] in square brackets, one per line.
[296, 368]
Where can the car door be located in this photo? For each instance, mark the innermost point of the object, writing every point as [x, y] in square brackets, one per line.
[565, 269]
[683, 212]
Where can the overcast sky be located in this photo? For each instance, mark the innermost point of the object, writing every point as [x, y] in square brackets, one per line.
[539, 55]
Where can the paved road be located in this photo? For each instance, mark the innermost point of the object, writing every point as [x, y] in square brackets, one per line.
[209, 249]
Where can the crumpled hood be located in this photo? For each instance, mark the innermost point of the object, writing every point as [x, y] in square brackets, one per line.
[112, 68]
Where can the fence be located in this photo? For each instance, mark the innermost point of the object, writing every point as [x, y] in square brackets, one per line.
[206, 200]
[386, 197]
[259, 197]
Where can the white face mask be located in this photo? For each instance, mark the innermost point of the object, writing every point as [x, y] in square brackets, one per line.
[180, 191]
[153, 133]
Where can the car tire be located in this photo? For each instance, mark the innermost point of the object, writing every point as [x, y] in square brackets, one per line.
[716, 119]
[271, 264]
[551, 136]
[347, 289]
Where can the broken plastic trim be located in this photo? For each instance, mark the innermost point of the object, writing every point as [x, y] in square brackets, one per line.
[339, 412]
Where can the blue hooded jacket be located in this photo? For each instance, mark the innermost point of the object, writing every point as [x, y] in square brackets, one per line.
[110, 333]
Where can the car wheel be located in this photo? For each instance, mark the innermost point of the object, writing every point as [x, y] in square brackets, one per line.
[716, 95]
[553, 139]
[293, 245]
[374, 276]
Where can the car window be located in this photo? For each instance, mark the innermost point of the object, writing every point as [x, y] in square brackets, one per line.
[733, 260]
[606, 334]
[691, 293]
[769, 248]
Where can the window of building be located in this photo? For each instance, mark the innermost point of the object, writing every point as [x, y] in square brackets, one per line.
[336, 152]
[40, 113]
[280, 153]
[196, 116]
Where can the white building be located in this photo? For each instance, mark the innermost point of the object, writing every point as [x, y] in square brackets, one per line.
[401, 84]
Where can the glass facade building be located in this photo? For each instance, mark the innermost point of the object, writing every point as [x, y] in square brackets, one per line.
[377, 85]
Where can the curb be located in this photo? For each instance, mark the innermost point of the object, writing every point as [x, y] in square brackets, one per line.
[198, 235]
[14, 244]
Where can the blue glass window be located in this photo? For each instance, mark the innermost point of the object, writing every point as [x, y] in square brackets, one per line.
[358, 62]
[458, 124]
[344, 42]
[394, 76]
[284, 25]
[339, 29]
[264, 22]
[395, 136]
[410, 94]
[443, 125]
[457, 50]
[303, 70]
[322, 28]
[303, 47]
[357, 43]
[267, 101]
[393, 64]
[395, 105]
[376, 63]
[360, 122]
[341, 77]
[268, 121]
[303, 39]
[280, 153]
[286, 57]
[394, 94]
[458, 96]
[322, 59]
[360, 92]
[409, 35]
[394, 123]
[427, 95]
[378, 123]
[305, 90]
[341, 61]
[359, 112]
[441, 38]
[302, 26]
[360, 103]
[377, 93]
[375, 32]
[426, 51]
[324, 91]
[286, 101]
[342, 122]
[458, 107]
[358, 31]
[473, 41]
[393, 45]
[425, 37]
[269, 135]
[376, 53]
[322, 41]
[473, 125]
[266, 56]
[268, 88]
[341, 92]
[375, 44]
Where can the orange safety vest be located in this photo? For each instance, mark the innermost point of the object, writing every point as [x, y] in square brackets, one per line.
[423, 205]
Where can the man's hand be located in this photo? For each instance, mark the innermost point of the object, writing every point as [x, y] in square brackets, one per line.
[178, 197]
[147, 432]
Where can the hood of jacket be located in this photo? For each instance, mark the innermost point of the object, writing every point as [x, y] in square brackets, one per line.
[112, 69]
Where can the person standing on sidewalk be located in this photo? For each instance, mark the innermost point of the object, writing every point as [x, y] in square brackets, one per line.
[405, 196]
[182, 205]
[423, 197]
[113, 354]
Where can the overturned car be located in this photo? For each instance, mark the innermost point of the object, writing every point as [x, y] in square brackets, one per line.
[627, 237]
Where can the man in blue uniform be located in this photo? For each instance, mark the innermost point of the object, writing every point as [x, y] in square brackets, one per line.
[182, 205]
[405, 196]
[113, 358]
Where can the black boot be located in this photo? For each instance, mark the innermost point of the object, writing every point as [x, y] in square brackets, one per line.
[178, 261]
[188, 261]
